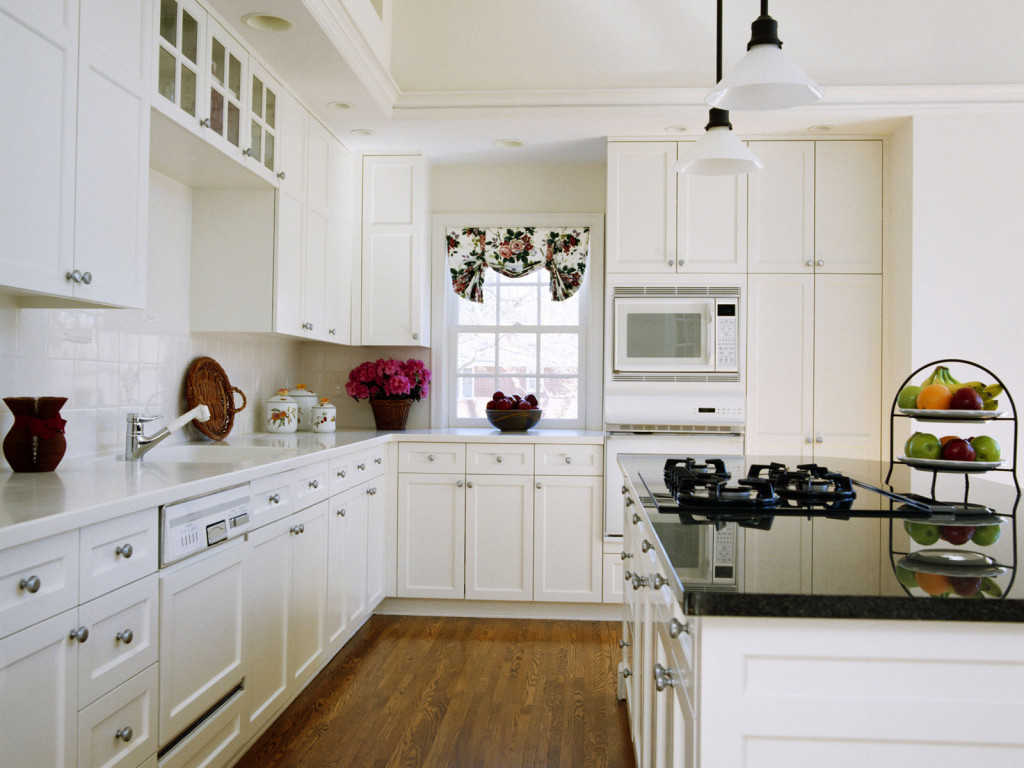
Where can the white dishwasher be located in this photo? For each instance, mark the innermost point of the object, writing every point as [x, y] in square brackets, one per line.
[202, 550]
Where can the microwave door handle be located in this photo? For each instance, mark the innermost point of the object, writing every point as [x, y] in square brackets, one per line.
[710, 348]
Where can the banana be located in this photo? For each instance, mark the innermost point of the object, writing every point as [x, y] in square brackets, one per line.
[941, 375]
[989, 587]
[990, 405]
[977, 386]
[993, 390]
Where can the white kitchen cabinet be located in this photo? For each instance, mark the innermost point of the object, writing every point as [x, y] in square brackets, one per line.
[114, 552]
[346, 564]
[567, 544]
[431, 535]
[40, 580]
[499, 537]
[376, 542]
[261, 143]
[393, 294]
[120, 729]
[306, 618]
[76, 176]
[816, 207]
[225, 96]
[38, 694]
[181, 65]
[660, 221]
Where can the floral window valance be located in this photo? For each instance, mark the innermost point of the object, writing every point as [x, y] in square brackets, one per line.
[515, 252]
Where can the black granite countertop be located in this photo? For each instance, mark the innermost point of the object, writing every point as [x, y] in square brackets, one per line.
[870, 582]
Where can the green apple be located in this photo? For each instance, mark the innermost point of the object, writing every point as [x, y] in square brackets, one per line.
[905, 576]
[923, 445]
[986, 448]
[987, 535]
[924, 534]
[907, 398]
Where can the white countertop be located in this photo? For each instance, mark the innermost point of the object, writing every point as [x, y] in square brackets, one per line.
[85, 490]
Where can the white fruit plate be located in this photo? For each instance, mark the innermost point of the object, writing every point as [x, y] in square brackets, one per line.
[933, 414]
[952, 466]
[949, 562]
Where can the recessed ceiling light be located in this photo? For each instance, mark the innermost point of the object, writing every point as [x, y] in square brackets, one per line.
[677, 129]
[361, 132]
[267, 22]
[506, 143]
[821, 128]
[339, 104]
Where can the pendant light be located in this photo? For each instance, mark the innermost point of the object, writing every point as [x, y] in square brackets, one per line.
[765, 78]
[719, 152]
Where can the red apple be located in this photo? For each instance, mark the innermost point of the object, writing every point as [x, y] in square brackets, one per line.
[531, 399]
[956, 534]
[503, 405]
[525, 406]
[965, 586]
[957, 449]
[499, 395]
[966, 399]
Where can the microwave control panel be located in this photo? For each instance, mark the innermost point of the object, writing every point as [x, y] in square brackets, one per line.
[725, 336]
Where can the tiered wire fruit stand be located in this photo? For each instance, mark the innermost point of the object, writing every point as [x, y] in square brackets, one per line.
[956, 559]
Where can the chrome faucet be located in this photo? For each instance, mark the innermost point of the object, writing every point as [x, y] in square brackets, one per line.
[137, 444]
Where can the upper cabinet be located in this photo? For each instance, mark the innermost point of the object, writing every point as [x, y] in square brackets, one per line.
[816, 207]
[394, 303]
[663, 222]
[76, 145]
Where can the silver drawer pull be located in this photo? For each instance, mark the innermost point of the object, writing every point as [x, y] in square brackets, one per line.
[81, 634]
[639, 581]
[568, 459]
[378, 460]
[341, 473]
[662, 677]
[625, 490]
[372, 491]
[629, 501]
[499, 459]
[430, 457]
[275, 499]
[539, 484]
[676, 628]
[646, 546]
[626, 672]
[124, 734]
[624, 643]
[627, 575]
[361, 466]
[30, 585]
[625, 555]
[469, 483]
[124, 637]
[314, 484]
[297, 529]
[658, 581]
[459, 483]
[125, 550]
[636, 518]
[341, 512]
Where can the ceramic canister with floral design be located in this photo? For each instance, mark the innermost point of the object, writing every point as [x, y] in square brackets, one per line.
[324, 416]
[306, 399]
[281, 413]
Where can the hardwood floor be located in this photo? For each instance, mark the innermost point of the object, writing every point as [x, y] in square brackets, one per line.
[426, 692]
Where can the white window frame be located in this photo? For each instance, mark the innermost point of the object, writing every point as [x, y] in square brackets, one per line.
[591, 296]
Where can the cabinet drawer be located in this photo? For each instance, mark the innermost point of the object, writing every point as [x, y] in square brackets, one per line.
[613, 580]
[432, 457]
[119, 730]
[370, 463]
[569, 459]
[310, 485]
[271, 498]
[117, 552]
[499, 458]
[213, 741]
[38, 580]
[122, 638]
[341, 474]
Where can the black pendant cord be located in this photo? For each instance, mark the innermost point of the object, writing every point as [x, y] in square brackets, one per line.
[719, 118]
[718, 60]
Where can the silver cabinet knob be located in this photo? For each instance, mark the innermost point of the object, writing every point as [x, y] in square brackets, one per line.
[124, 550]
[625, 555]
[627, 575]
[361, 466]
[625, 490]
[280, 175]
[341, 512]
[124, 637]
[820, 262]
[87, 277]
[498, 459]
[314, 484]
[430, 457]
[636, 518]
[808, 440]
[30, 585]
[297, 529]
[568, 459]
[662, 677]
[81, 634]
[307, 326]
[624, 643]
[639, 581]
[247, 152]
[539, 485]
[658, 581]
[646, 546]
[819, 439]
[415, 335]
[341, 473]
[124, 734]
[378, 460]
[332, 331]
[626, 672]
[671, 263]
[459, 483]
[676, 628]
[274, 498]
[78, 276]
[205, 122]
[629, 501]
[373, 491]
[809, 262]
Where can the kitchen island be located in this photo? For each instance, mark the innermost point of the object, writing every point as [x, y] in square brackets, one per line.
[818, 655]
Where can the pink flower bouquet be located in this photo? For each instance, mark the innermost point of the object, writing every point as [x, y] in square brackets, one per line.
[389, 380]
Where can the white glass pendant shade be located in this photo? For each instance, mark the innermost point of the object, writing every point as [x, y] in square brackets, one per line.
[765, 78]
[719, 152]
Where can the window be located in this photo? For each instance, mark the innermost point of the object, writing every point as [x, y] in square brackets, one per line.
[518, 341]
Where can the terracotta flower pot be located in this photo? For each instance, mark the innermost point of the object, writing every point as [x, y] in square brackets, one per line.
[36, 441]
[390, 414]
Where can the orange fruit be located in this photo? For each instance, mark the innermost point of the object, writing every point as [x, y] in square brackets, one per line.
[934, 397]
[946, 439]
[933, 583]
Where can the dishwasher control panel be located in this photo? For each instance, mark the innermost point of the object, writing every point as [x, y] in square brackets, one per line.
[191, 526]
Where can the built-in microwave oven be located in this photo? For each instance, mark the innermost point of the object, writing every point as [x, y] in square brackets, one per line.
[675, 330]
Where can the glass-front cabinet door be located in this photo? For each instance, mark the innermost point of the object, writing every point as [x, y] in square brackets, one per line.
[264, 132]
[181, 61]
[226, 87]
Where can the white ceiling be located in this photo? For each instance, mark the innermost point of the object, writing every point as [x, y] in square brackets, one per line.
[561, 75]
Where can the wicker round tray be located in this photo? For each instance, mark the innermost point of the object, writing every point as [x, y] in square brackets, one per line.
[207, 384]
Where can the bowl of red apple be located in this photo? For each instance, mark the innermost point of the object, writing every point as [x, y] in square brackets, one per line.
[513, 413]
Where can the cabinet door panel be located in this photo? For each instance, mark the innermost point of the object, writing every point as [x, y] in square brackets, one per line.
[376, 540]
[131, 705]
[306, 633]
[499, 537]
[53, 563]
[712, 223]
[780, 360]
[848, 206]
[115, 552]
[641, 207]
[39, 729]
[431, 535]
[780, 215]
[569, 517]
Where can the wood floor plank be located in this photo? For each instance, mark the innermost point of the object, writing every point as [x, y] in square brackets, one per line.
[427, 692]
